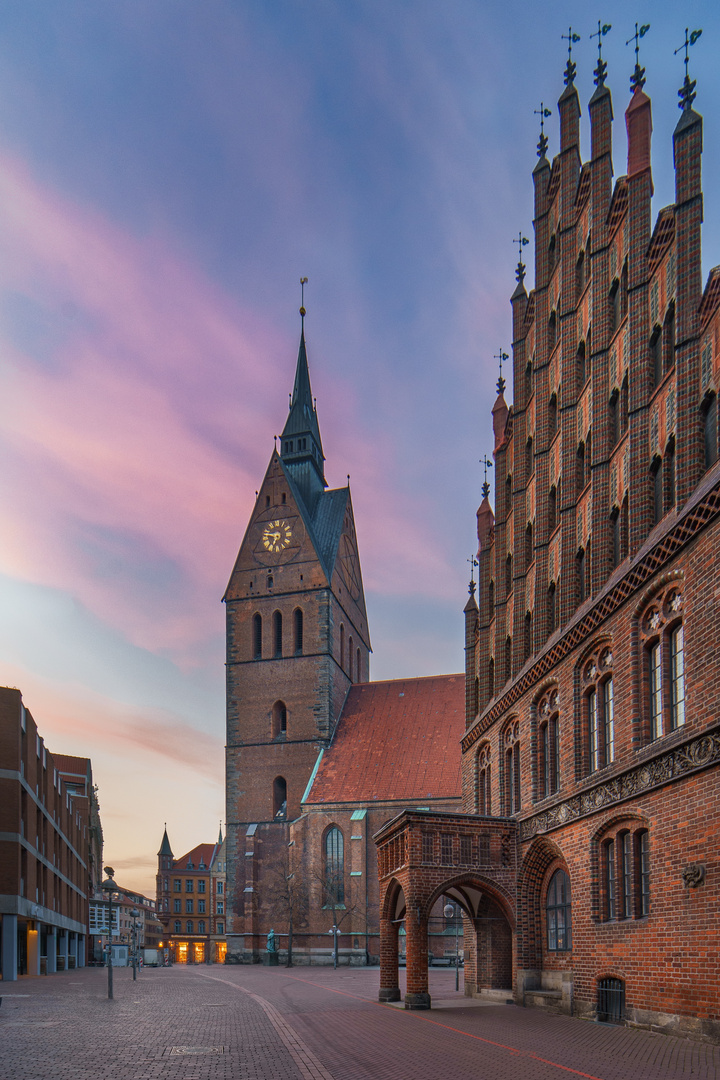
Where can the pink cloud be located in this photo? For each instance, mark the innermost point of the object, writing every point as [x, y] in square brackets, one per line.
[150, 429]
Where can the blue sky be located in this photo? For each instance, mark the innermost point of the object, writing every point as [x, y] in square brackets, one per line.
[168, 171]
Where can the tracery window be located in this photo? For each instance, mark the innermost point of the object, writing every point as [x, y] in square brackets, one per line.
[558, 910]
[512, 767]
[549, 744]
[334, 859]
[664, 655]
[484, 802]
[599, 705]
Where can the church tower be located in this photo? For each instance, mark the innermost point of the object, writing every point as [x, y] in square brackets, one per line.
[297, 639]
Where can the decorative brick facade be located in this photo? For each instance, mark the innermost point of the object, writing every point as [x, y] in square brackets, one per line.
[593, 685]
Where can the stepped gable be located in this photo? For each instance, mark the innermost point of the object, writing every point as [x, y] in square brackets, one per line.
[397, 740]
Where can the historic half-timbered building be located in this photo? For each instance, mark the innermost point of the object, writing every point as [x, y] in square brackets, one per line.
[587, 859]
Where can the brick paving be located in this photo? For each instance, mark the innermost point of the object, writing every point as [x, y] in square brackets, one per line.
[249, 1023]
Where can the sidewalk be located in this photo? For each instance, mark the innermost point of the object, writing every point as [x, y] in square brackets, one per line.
[250, 1023]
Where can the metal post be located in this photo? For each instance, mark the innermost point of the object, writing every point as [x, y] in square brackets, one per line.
[109, 887]
[457, 953]
[134, 916]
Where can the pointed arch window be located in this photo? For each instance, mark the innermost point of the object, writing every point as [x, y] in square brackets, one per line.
[558, 910]
[552, 417]
[508, 574]
[529, 547]
[342, 646]
[580, 368]
[277, 634]
[710, 430]
[512, 768]
[350, 659]
[549, 744]
[599, 705]
[334, 868]
[279, 798]
[656, 370]
[484, 802]
[358, 668]
[279, 719]
[528, 644]
[298, 630]
[668, 340]
[257, 636]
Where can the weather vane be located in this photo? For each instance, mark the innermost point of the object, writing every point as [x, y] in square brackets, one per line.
[543, 113]
[601, 69]
[500, 357]
[473, 563]
[303, 283]
[570, 67]
[520, 271]
[487, 463]
[637, 80]
[687, 92]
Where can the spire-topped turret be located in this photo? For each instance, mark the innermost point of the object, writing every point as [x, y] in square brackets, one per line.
[165, 848]
[300, 443]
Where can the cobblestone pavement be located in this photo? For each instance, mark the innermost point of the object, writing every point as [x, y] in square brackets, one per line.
[251, 1023]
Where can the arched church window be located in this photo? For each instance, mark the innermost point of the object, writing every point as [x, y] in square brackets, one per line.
[358, 671]
[342, 646]
[334, 869]
[277, 633]
[350, 659]
[279, 719]
[279, 798]
[298, 628]
[558, 910]
[710, 430]
[483, 780]
[549, 744]
[512, 767]
[257, 636]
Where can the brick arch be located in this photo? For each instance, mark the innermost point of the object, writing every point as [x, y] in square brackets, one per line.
[538, 860]
[657, 585]
[393, 901]
[463, 897]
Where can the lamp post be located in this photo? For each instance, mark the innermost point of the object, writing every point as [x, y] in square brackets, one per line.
[109, 887]
[134, 915]
[450, 912]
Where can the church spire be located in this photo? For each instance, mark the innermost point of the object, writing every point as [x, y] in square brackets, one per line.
[300, 443]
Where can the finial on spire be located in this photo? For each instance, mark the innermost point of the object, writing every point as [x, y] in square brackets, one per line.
[687, 91]
[637, 79]
[487, 463]
[501, 382]
[600, 71]
[303, 283]
[520, 269]
[570, 67]
[473, 563]
[543, 113]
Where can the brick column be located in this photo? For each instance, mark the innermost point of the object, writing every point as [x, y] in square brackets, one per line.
[417, 994]
[389, 988]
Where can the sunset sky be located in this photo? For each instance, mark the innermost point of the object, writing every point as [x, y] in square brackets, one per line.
[169, 169]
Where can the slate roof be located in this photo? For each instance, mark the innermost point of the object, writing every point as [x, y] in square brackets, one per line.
[395, 741]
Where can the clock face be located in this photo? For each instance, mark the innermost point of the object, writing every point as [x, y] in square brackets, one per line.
[276, 536]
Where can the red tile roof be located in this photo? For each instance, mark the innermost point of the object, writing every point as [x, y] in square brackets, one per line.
[202, 853]
[75, 766]
[395, 740]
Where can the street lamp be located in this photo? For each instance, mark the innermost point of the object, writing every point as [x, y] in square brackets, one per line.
[450, 912]
[109, 887]
[134, 915]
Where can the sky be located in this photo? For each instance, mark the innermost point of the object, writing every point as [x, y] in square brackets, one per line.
[169, 170]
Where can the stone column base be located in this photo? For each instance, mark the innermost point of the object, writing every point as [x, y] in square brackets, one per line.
[417, 1001]
[392, 994]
